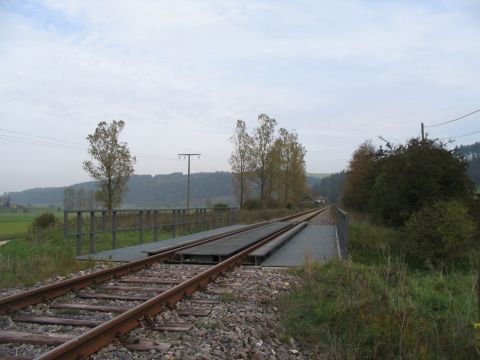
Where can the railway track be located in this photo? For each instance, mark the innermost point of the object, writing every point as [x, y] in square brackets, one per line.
[122, 298]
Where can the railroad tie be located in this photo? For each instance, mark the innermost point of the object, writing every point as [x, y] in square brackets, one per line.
[149, 280]
[51, 339]
[193, 312]
[49, 320]
[91, 307]
[219, 291]
[172, 326]
[113, 297]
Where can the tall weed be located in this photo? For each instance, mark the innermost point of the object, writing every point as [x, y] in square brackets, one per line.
[356, 311]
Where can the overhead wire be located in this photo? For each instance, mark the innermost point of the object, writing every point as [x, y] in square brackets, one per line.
[42, 137]
[62, 144]
[456, 119]
[463, 135]
[40, 143]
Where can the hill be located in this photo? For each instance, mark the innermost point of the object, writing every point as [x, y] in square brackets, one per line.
[153, 191]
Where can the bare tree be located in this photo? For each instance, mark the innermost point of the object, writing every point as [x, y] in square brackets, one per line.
[112, 163]
[240, 159]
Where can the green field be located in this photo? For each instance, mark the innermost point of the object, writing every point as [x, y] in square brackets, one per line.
[16, 222]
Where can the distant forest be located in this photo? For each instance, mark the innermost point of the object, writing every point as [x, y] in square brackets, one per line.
[330, 187]
[472, 154]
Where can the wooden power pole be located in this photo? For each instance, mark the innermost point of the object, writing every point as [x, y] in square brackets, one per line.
[187, 156]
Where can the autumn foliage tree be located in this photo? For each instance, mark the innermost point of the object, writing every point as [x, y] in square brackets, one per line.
[273, 162]
[111, 165]
[291, 155]
[263, 140]
[240, 160]
[359, 177]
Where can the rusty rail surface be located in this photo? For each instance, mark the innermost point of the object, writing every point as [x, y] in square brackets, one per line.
[47, 292]
[97, 338]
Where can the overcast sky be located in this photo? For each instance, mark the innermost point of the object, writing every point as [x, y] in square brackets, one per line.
[180, 73]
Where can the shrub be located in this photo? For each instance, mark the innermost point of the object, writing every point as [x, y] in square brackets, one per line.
[252, 204]
[44, 221]
[220, 206]
[440, 233]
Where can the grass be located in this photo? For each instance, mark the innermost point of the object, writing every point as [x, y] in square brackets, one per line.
[28, 260]
[15, 223]
[375, 306]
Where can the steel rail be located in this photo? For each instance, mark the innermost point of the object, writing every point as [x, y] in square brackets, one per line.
[44, 293]
[100, 336]
[47, 292]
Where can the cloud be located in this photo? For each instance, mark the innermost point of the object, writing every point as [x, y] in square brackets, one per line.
[180, 73]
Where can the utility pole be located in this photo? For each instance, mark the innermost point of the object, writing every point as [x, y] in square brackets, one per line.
[423, 132]
[187, 156]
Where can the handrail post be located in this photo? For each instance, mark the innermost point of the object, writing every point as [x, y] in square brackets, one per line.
[183, 222]
[92, 233]
[140, 220]
[341, 224]
[65, 223]
[155, 226]
[114, 229]
[174, 224]
[104, 221]
[79, 233]
[197, 219]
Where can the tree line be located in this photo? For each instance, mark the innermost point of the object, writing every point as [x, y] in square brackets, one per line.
[268, 166]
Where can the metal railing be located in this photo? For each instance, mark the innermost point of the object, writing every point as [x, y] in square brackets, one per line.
[151, 224]
[341, 224]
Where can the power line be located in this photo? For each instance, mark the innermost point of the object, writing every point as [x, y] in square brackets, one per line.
[455, 137]
[41, 137]
[40, 143]
[64, 144]
[456, 119]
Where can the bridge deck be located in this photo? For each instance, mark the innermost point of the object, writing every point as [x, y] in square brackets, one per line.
[317, 241]
[136, 252]
[217, 250]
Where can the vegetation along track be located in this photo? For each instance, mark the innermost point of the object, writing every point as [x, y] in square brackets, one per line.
[105, 331]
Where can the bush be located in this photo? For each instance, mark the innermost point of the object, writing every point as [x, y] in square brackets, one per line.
[396, 182]
[440, 233]
[44, 221]
[220, 206]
